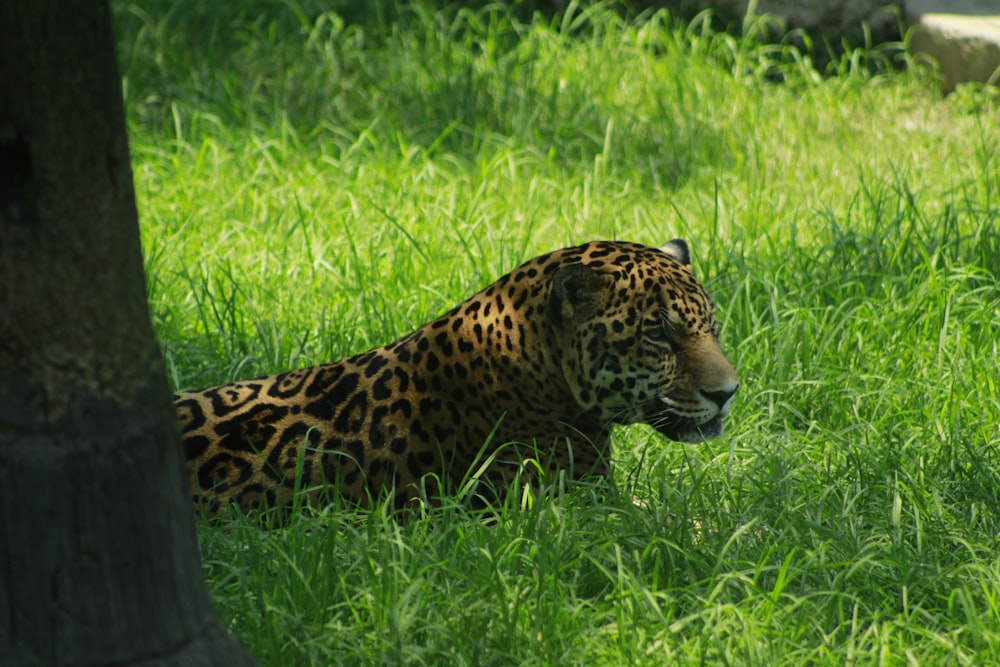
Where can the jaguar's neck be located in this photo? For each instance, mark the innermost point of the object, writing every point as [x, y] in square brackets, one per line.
[485, 335]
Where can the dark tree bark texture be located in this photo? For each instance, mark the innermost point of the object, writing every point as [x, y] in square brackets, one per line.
[98, 555]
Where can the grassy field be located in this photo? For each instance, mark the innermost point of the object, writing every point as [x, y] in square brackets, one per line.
[310, 187]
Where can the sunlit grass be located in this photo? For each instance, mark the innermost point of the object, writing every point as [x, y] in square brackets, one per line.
[310, 187]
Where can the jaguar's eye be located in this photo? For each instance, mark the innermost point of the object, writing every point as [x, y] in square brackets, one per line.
[658, 335]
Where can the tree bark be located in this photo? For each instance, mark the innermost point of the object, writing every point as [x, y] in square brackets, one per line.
[99, 559]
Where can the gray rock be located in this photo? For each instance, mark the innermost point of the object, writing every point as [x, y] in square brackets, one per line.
[823, 16]
[961, 36]
[834, 15]
[962, 48]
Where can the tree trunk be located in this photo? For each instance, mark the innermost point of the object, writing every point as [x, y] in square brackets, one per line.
[98, 555]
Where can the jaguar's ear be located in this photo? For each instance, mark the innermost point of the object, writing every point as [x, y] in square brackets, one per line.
[576, 294]
[678, 249]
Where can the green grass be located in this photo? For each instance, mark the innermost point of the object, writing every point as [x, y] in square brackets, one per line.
[310, 187]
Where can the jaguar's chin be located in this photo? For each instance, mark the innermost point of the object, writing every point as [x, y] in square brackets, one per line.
[682, 429]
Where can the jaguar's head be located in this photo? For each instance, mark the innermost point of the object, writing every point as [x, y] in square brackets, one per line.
[639, 342]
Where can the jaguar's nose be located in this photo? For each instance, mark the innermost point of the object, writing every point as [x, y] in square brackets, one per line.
[721, 396]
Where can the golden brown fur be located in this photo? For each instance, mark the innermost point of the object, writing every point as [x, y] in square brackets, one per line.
[550, 356]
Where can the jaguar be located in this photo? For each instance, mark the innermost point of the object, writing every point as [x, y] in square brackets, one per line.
[524, 379]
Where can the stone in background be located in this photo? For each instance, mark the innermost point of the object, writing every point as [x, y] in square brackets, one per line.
[962, 36]
[822, 28]
[834, 16]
